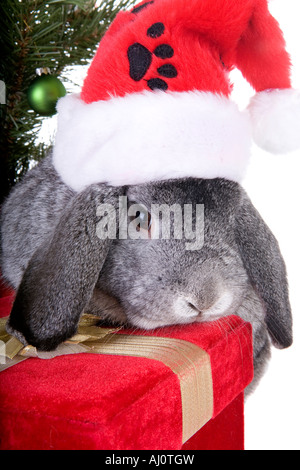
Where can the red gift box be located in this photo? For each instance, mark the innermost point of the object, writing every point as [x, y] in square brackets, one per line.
[122, 402]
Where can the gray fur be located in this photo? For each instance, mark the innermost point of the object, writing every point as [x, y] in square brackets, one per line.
[53, 256]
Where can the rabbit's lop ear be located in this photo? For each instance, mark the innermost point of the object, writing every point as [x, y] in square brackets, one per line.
[266, 270]
[60, 277]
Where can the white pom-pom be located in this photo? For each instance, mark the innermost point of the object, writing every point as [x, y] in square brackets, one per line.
[275, 116]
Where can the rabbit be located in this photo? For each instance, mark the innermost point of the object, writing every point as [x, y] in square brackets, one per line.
[53, 256]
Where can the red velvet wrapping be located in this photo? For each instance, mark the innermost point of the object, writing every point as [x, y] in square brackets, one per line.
[90, 401]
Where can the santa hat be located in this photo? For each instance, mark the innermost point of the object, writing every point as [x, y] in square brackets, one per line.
[155, 103]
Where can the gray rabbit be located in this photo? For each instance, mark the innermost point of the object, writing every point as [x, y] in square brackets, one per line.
[53, 255]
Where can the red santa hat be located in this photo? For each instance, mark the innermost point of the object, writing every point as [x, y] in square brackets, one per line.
[155, 103]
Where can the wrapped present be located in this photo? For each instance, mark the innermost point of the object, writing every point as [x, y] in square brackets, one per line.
[178, 387]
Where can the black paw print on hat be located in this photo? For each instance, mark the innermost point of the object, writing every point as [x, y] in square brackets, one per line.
[140, 59]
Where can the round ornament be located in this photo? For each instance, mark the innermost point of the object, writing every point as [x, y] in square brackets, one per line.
[43, 94]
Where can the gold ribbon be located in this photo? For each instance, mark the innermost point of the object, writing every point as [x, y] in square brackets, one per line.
[189, 362]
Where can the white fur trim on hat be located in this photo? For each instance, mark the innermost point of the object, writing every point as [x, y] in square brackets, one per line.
[150, 136]
[275, 116]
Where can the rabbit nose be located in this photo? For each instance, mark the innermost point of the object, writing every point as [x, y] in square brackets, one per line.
[193, 307]
[187, 308]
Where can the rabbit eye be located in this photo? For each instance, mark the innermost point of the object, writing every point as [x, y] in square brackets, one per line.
[140, 221]
[144, 220]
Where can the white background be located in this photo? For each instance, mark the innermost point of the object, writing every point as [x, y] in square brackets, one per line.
[272, 413]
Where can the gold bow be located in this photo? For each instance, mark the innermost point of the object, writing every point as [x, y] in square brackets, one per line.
[189, 362]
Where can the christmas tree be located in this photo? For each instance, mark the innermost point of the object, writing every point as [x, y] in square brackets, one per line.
[48, 36]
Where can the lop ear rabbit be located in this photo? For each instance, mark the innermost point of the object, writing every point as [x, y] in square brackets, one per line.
[54, 257]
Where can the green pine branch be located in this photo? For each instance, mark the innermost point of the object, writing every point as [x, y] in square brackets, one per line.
[34, 34]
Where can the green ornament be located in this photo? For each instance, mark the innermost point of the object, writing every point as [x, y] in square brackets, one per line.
[43, 94]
